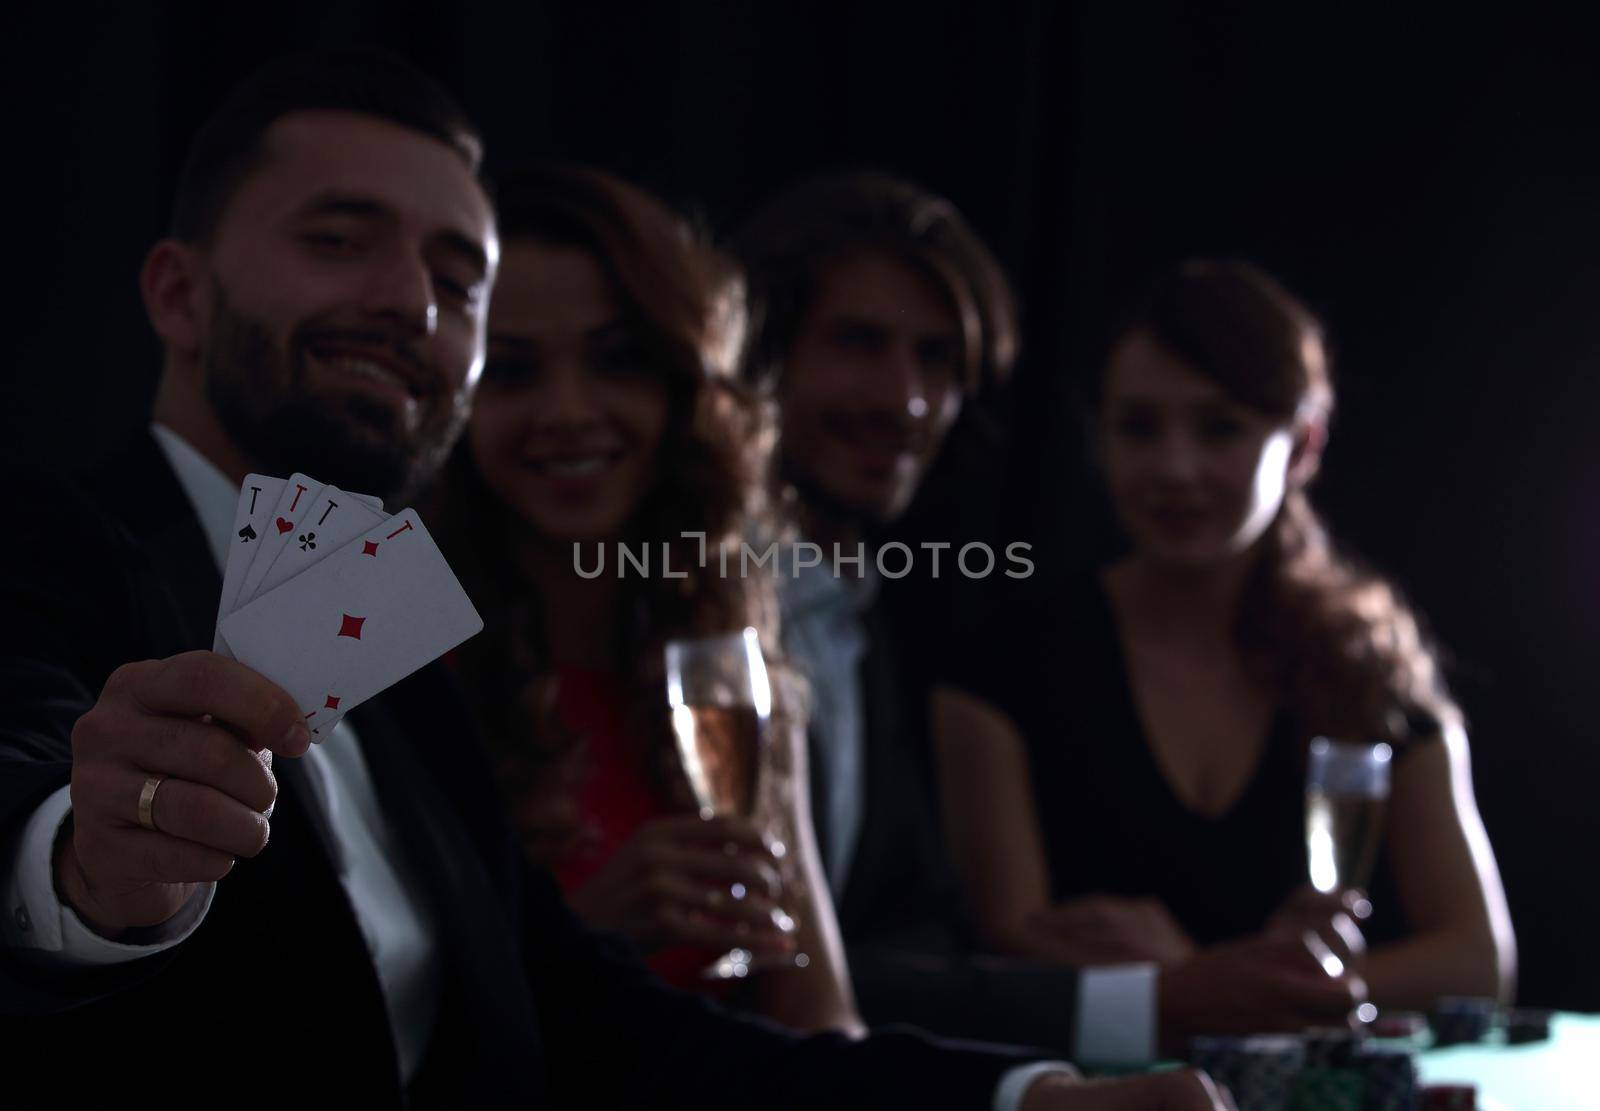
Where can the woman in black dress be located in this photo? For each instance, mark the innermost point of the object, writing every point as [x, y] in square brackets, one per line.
[1129, 785]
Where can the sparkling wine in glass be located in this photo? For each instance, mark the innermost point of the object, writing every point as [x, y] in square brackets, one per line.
[721, 704]
[1347, 789]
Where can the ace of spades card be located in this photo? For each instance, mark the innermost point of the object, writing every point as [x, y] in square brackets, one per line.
[258, 496]
[355, 622]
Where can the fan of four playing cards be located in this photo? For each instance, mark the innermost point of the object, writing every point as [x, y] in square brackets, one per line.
[332, 598]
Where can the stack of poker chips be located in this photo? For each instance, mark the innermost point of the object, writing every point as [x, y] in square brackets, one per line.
[1260, 1071]
[1319, 1088]
[1334, 1069]
[1331, 1047]
[1331, 1079]
[1322, 1070]
[1524, 1025]
[1462, 1020]
[1389, 1078]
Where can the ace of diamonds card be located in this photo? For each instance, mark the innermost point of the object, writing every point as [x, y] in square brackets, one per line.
[357, 621]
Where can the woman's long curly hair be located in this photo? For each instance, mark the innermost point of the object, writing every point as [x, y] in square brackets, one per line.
[684, 302]
[1336, 638]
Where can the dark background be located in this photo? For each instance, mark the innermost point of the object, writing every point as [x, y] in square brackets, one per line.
[1430, 183]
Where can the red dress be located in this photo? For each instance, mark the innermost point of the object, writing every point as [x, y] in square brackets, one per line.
[616, 797]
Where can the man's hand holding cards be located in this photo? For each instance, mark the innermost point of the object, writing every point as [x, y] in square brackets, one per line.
[333, 599]
[326, 601]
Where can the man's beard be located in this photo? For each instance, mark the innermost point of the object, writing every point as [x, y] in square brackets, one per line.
[261, 394]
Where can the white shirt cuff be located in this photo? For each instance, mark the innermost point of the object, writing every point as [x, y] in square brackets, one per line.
[1116, 1019]
[1014, 1082]
[36, 919]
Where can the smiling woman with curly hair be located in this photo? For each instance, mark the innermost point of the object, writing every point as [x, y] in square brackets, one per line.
[609, 414]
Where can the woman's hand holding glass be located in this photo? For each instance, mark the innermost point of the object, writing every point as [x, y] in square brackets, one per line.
[1332, 918]
[720, 701]
[688, 880]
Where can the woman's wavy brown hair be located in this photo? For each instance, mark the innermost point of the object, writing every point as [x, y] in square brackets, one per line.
[683, 300]
[1338, 639]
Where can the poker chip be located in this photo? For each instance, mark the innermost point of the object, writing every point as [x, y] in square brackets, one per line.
[1459, 1020]
[1331, 1046]
[1524, 1025]
[1321, 1088]
[1268, 1072]
[1220, 1057]
[1260, 1071]
[1389, 1078]
[1324, 1069]
[1449, 1097]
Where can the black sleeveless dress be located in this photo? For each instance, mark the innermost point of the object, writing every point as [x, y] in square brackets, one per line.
[1051, 660]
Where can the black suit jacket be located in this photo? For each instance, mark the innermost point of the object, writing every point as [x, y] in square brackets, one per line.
[912, 954]
[275, 996]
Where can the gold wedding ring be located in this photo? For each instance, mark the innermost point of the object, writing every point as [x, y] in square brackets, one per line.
[147, 803]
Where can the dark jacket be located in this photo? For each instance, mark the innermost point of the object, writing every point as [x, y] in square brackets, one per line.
[911, 951]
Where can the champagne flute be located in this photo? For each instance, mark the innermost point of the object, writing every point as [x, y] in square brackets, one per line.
[1347, 788]
[721, 704]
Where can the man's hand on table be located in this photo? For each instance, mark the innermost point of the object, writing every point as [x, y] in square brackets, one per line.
[209, 725]
[1178, 1090]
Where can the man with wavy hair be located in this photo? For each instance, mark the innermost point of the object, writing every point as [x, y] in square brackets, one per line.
[877, 316]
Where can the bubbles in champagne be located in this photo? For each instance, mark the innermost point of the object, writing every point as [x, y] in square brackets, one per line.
[1342, 834]
[718, 745]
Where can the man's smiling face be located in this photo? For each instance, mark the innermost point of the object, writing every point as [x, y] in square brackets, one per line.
[348, 287]
[872, 382]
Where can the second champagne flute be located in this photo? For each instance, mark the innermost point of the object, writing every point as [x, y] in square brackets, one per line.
[1347, 787]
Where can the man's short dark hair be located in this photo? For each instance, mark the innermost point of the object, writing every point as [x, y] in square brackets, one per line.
[368, 81]
[785, 245]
